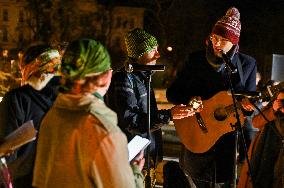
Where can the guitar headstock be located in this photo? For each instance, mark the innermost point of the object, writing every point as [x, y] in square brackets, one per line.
[271, 91]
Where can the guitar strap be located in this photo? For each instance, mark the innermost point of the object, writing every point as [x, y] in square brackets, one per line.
[241, 73]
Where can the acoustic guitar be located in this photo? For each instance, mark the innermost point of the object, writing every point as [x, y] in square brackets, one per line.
[200, 132]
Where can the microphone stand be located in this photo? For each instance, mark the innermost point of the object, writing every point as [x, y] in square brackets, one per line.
[148, 80]
[149, 69]
[238, 129]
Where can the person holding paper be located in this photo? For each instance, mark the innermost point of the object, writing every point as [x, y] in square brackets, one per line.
[79, 143]
[29, 102]
[127, 95]
[137, 145]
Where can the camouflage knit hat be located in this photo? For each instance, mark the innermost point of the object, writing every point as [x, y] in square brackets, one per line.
[139, 42]
[84, 58]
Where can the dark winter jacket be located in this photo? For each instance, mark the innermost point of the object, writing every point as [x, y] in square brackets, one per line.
[127, 96]
[19, 106]
[198, 78]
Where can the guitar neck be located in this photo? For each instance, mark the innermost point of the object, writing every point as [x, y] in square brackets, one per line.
[271, 91]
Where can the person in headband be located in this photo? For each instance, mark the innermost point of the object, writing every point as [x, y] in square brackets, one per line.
[40, 64]
[89, 148]
[30, 102]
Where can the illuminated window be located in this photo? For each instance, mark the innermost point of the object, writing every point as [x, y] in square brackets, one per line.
[118, 22]
[5, 15]
[21, 37]
[125, 24]
[84, 20]
[21, 16]
[116, 42]
[5, 35]
[131, 23]
[97, 17]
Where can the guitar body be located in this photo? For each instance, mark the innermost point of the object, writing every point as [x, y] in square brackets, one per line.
[199, 140]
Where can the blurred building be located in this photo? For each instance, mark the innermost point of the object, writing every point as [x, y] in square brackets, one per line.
[13, 25]
[24, 22]
[86, 18]
[124, 19]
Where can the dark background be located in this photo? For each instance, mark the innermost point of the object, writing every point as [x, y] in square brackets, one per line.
[184, 25]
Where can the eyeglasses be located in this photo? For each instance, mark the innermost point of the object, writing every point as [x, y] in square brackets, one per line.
[215, 39]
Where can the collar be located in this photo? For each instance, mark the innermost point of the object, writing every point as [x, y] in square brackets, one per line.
[99, 96]
[76, 101]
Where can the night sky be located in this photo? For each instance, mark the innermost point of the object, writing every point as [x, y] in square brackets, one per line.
[184, 24]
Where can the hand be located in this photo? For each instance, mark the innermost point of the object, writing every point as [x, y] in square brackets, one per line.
[139, 160]
[196, 103]
[182, 111]
[277, 105]
[246, 104]
[264, 103]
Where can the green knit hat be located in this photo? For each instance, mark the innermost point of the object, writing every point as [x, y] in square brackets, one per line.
[139, 42]
[84, 58]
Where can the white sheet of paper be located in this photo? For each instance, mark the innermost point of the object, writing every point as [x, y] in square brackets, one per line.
[136, 145]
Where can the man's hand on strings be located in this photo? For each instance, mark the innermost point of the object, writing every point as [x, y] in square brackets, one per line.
[196, 103]
[246, 104]
[277, 104]
[182, 111]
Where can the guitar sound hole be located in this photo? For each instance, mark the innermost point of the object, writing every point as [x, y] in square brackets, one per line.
[220, 114]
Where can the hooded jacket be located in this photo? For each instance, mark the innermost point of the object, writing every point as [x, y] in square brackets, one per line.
[80, 145]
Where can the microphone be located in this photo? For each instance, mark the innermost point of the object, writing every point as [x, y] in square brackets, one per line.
[228, 62]
[137, 67]
[249, 94]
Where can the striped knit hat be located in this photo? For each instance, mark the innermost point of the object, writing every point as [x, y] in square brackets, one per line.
[229, 26]
[139, 42]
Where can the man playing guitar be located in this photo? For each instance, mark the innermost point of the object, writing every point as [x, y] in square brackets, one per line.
[204, 74]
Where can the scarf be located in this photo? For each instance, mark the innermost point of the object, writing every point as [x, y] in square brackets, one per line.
[217, 62]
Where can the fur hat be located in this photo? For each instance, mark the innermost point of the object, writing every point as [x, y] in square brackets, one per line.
[229, 26]
[139, 42]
